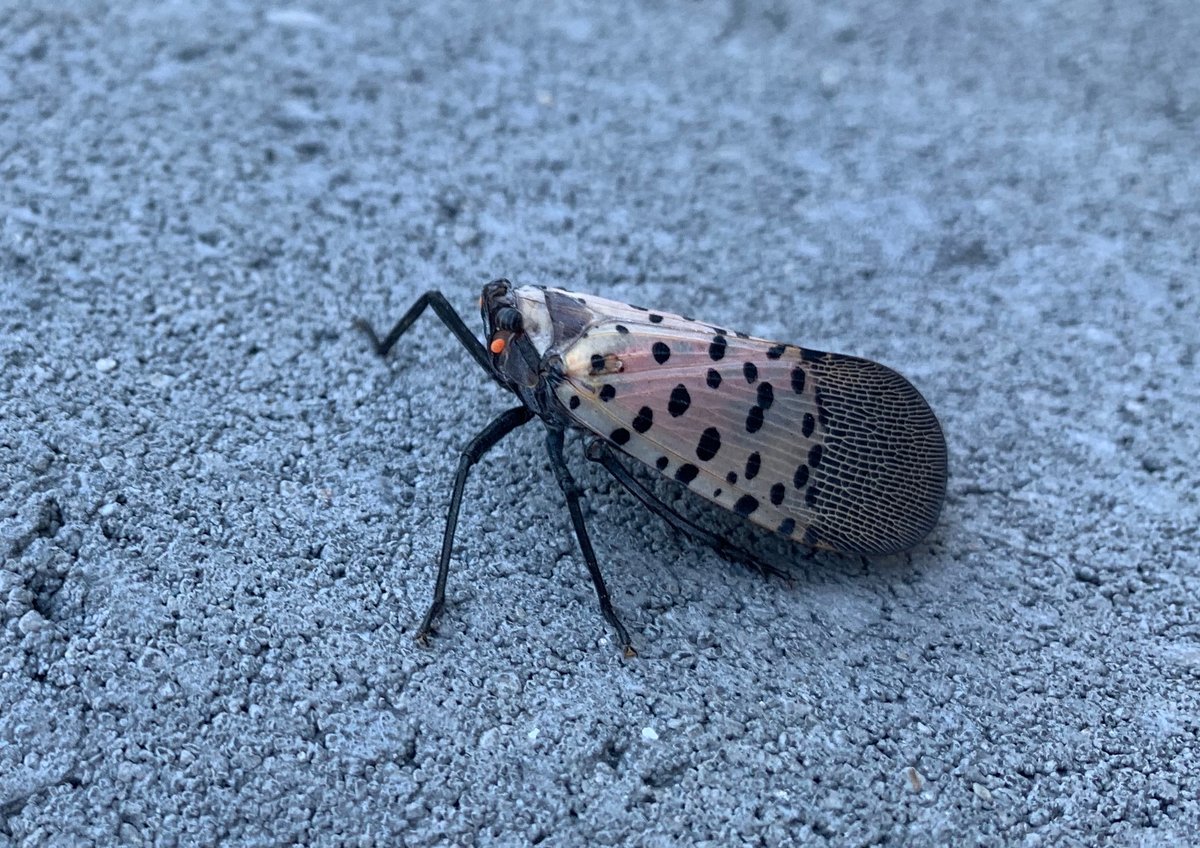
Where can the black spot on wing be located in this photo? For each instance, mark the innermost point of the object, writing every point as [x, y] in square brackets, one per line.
[745, 505]
[620, 436]
[787, 527]
[800, 478]
[662, 352]
[776, 351]
[750, 371]
[607, 392]
[777, 493]
[644, 419]
[809, 425]
[798, 380]
[753, 463]
[573, 402]
[766, 395]
[681, 399]
[710, 443]
[713, 379]
[686, 473]
[655, 318]
[716, 350]
[754, 419]
[661, 463]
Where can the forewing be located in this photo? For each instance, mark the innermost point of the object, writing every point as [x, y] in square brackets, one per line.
[834, 451]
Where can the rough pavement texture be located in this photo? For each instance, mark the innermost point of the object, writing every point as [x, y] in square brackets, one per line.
[219, 511]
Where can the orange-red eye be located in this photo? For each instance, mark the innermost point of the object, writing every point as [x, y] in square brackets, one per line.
[497, 346]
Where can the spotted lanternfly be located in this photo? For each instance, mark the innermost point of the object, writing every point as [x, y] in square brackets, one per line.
[833, 452]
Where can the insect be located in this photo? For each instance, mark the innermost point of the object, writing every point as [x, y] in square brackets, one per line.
[831, 451]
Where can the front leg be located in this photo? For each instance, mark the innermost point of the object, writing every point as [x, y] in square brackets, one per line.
[572, 492]
[472, 453]
[442, 308]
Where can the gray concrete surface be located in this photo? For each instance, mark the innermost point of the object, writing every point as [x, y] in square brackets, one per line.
[219, 511]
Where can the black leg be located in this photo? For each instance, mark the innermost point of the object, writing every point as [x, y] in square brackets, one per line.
[481, 444]
[442, 308]
[598, 451]
[570, 489]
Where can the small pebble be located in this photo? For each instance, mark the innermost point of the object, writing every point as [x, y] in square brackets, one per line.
[31, 622]
[465, 235]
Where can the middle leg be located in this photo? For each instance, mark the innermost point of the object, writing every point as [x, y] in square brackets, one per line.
[572, 492]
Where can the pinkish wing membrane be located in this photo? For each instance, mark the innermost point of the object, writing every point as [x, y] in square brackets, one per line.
[833, 451]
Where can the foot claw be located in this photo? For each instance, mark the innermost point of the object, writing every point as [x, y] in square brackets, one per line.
[367, 330]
